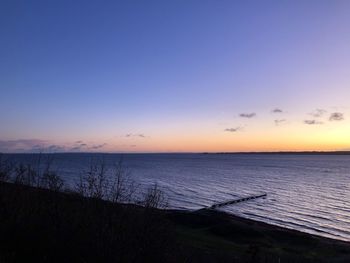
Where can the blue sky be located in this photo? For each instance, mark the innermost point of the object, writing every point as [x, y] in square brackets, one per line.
[178, 72]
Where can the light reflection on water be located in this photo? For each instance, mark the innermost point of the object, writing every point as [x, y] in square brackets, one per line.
[310, 193]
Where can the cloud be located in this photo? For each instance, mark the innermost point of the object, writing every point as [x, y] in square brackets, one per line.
[312, 122]
[79, 146]
[277, 110]
[247, 115]
[75, 149]
[21, 145]
[55, 148]
[279, 121]
[38, 149]
[318, 113]
[34, 145]
[336, 116]
[86, 147]
[98, 146]
[233, 129]
[140, 135]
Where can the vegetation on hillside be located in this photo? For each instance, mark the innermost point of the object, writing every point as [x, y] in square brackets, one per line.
[106, 217]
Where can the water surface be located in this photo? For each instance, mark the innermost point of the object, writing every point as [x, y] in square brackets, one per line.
[310, 193]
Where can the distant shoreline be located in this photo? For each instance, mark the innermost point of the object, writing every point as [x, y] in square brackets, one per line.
[287, 153]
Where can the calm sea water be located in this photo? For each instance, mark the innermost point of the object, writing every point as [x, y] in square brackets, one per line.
[310, 193]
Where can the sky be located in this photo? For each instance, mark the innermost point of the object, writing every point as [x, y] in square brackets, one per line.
[174, 76]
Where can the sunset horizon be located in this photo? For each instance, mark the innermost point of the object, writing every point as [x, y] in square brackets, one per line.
[136, 78]
[175, 131]
[170, 77]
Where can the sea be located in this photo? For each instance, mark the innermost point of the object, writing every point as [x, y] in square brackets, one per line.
[305, 192]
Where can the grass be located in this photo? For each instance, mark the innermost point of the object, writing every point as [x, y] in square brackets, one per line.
[219, 233]
[48, 226]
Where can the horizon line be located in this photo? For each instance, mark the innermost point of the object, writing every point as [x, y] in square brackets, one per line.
[201, 152]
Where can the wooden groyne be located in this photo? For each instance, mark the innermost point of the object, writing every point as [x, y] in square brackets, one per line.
[235, 201]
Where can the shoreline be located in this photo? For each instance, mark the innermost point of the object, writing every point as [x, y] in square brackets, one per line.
[267, 238]
[260, 224]
[266, 225]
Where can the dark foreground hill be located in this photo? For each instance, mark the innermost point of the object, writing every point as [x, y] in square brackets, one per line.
[39, 225]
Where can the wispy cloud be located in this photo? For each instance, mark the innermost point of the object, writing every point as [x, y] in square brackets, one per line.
[43, 148]
[277, 110]
[140, 135]
[98, 146]
[86, 147]
[55, 148]
[318, 113]
[233, 129]
[336, 116]
[312, 122]
[79, 146]
[247, 115]
[75, 149]
[279, 121]
[21, 145]
[35, 145]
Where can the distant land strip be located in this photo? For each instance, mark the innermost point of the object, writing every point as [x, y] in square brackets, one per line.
[288, 153]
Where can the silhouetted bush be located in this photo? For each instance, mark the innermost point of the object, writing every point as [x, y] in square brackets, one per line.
[154, 198]
[38, 225]
[93, 182]
[89, 225]
[26, 175]
[113, 184]
[6, 169]
[121, 188]
[52, 181]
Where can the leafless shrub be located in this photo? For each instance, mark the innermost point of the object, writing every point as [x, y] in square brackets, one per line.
[80, 186]
[47, 178]
[122, 187]
[155, 198]
[25, 174]
[97, 182]
[113, 185]
[38, 176]
[5, 169]
[52, 181]
[93, 183]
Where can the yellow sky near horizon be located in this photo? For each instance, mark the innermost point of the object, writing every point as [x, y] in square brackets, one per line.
[286, 137]
[226, 134]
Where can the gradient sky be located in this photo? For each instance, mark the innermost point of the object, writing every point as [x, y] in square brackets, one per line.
[174, 76]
